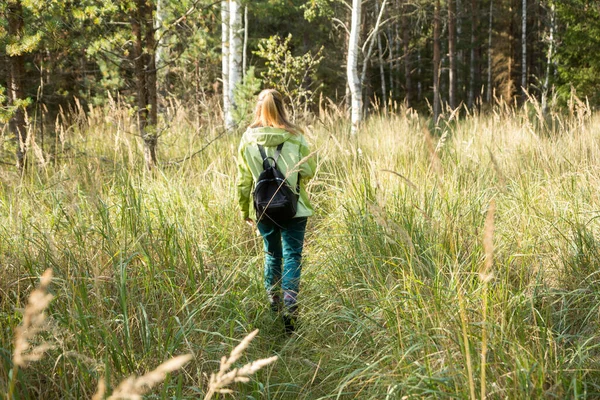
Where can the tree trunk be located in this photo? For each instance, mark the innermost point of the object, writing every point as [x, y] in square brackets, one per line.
[16, 92]
[436, 62]
[392, 64]
[489, 71]
[524, 51]
[371, 40]
[245, 47]
[235, 56]
[381, 68]
[159, 59]
[225, 58]
[549, 59]
[406, 51]
[452, 53]
[473, 60]
[352, 67]
[145, 73]
[460, 54]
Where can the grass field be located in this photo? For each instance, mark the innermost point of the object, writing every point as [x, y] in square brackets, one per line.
[462, 263]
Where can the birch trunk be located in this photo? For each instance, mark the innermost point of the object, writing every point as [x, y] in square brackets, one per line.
[160, 51]
[235, 56]
[524, 50]
[16, 72]
[436, 62]
[244, 50]
[225, 58]
[352, 66]
[549, 58]
[371, 42]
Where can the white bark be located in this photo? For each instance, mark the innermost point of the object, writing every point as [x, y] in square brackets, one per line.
[352, 66]
[244, 51]
[236, 31]
[549, 59]
[371, 41]
[160, 62]
[158, 55]
[524, 50]
[225, 57]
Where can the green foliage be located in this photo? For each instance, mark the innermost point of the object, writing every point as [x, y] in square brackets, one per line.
[6, 111]
[318, 8]
[577, 61]
[293, 76]
[245, 97]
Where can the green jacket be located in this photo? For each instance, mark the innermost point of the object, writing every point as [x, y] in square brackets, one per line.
[249, 165]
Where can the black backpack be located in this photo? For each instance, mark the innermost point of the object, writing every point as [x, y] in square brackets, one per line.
[274, 200]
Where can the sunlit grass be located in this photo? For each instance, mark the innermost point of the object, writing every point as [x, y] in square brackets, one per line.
[148, 266]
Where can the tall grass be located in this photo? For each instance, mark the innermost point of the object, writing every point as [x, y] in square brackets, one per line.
[150, 266]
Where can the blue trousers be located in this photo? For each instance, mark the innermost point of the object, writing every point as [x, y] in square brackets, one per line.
[283, 244]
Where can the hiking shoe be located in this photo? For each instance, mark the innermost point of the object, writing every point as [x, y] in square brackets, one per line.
[289, 323]
[275, 303]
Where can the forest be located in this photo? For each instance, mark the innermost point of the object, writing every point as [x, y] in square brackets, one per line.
[433, 56]
[455, 248]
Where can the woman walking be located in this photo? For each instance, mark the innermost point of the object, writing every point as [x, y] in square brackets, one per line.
[280, 141]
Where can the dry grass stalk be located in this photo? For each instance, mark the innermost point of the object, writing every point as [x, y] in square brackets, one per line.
[133, 387]
[34, 322]
[465, 337]
[219, 381]
[442, 142]
[435, 159]
[99, 395]
[501, 178]
[405, 179]
[486, 275]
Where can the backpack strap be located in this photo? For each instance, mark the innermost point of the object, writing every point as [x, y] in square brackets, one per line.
[266, 163]
[278, 151]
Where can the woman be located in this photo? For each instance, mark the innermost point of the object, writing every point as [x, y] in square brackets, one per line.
[282, 239]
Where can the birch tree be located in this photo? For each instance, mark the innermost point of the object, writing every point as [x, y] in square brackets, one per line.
[549, 58]
[436, 62]
[352, 66]
[524, 50]
[235, 57]
[370, 41]
[225, 59]
[16, 71]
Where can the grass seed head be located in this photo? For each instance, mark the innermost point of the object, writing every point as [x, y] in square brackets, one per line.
[34, 322]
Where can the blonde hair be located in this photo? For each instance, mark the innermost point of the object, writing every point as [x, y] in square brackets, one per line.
[271, 112]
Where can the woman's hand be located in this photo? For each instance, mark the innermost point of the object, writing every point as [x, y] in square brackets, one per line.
[249, 222]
